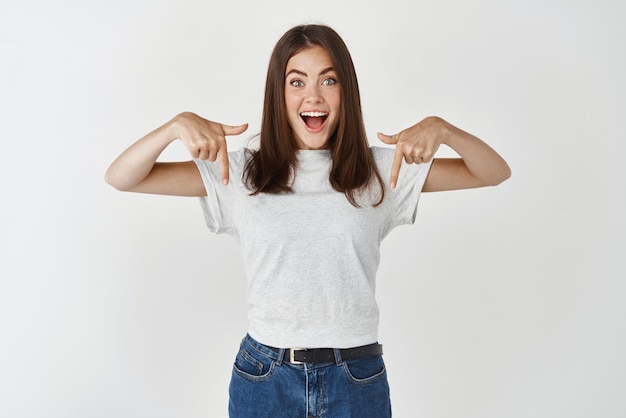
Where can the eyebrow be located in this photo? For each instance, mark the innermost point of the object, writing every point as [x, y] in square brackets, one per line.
[302, 73]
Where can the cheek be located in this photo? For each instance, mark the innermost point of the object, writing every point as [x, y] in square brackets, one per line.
[289, 106]
[292, 117]
[335, 100]
[292, 106]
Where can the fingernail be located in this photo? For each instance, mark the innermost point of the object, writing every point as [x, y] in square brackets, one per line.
[393, 184]
[225, 182]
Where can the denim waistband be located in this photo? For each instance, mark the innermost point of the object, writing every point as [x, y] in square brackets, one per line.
[316, 356]
[271, 352]
[278, 354]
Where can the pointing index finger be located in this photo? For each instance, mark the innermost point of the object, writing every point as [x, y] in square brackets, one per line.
[222, 154]
[395, 167]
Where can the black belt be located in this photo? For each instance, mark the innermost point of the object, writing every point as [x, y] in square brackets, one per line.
[327, 355]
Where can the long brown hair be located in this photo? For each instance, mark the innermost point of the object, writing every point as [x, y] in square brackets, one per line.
[270, 169]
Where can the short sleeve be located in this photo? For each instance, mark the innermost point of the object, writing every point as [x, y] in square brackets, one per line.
[401, 202]
[217, 205]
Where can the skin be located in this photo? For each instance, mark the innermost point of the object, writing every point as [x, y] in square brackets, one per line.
[478, 166]
[309, 87]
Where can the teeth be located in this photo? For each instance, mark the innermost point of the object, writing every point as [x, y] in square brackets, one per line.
[313, 114]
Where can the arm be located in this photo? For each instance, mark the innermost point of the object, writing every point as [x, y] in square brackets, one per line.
[478, 166]
[136, 169]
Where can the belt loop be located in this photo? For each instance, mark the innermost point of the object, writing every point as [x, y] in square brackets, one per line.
[338, 359]
[281, 355]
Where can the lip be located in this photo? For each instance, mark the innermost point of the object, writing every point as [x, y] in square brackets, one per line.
[314, 113]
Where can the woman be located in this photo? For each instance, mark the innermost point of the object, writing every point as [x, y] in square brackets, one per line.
[310, 207]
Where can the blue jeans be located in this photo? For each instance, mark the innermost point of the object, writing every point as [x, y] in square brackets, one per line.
[264, 386]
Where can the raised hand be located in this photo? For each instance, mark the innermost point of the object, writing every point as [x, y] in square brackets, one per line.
[205, 139]
[417, 144]
[137, 170]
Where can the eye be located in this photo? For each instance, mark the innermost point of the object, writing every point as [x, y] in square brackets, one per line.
[329, 81]
[296, 83]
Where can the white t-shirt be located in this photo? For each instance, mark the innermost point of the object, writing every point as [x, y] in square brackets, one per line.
[310, 256]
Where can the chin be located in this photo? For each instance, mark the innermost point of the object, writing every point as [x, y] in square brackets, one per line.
[313, 143]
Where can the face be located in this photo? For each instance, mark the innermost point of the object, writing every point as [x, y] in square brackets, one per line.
[312, 97]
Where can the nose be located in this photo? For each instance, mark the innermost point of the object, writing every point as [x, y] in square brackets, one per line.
[313, 94]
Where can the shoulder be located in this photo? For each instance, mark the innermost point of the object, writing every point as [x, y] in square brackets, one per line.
[383, 156]
[236, 161]
[382, 152]
[238, 158]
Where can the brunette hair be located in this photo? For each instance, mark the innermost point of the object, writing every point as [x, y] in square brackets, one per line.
[270, 169]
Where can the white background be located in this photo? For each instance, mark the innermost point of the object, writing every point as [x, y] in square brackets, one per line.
[499, 302]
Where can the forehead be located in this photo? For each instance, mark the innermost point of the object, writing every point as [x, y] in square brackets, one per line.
[311, 57]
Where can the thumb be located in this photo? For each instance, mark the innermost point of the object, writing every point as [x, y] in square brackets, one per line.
[387, 139]
[234, 130]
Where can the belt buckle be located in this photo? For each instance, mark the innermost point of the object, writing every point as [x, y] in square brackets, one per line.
[292, 360]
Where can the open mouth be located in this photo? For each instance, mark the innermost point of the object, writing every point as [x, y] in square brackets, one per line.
[314, 120]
